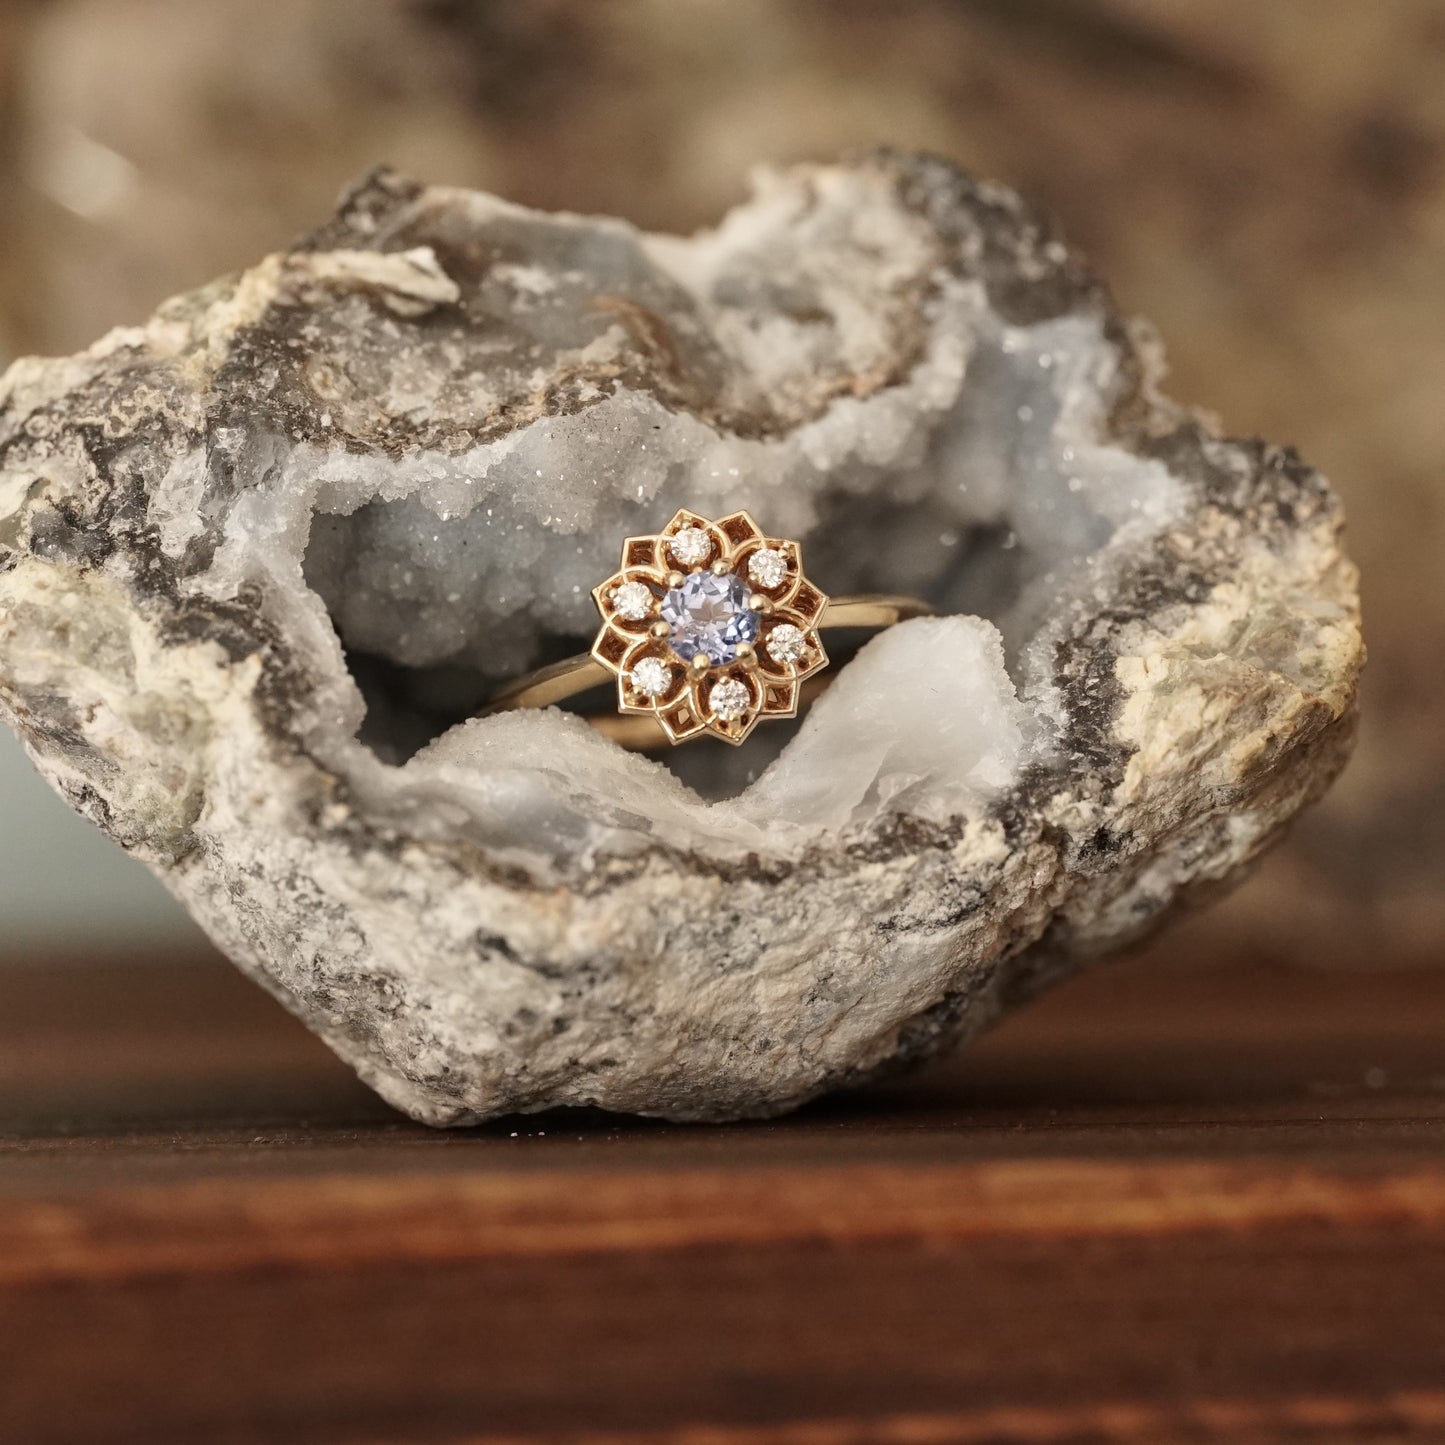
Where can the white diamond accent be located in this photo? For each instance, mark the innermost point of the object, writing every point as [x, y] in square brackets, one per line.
[729, 699]
[767, 567]
[651, 677]
[690, 546]
[786, 643]
[633, 601]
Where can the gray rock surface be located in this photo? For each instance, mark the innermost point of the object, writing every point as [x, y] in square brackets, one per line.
[261, 557]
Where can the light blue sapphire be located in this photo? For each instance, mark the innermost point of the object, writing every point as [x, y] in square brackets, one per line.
[710, 614]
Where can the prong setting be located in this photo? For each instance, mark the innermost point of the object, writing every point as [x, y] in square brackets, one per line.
[633, 601]
[690, 545]
[768, 567]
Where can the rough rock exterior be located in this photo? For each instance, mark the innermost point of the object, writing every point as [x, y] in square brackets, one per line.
[260, 558]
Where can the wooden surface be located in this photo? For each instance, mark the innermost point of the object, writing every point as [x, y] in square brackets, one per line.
[1166, 1203]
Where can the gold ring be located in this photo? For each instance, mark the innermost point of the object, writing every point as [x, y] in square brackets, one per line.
[707, 627]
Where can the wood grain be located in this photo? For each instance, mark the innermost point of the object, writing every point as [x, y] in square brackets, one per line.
[1166, 1203]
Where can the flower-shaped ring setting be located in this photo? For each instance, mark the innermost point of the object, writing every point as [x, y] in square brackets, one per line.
[707, 627]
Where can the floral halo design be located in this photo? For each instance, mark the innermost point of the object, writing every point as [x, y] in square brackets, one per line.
[709, 626]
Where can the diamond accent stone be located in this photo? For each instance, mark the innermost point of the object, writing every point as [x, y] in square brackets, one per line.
[690, 546]
[651, 677]
[633, 601]
[710, 615]
[729, 699]
[786, 643]
[767, 567]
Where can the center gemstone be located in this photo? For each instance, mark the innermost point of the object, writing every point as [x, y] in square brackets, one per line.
[710, 614]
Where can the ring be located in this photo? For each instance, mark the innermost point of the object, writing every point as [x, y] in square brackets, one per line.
[707, 627]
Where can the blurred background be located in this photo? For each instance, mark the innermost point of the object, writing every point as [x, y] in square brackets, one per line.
[1265, 182]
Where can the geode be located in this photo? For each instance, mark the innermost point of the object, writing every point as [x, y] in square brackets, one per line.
[262, 558]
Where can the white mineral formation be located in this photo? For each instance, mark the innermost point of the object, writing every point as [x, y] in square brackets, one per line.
[262, 557]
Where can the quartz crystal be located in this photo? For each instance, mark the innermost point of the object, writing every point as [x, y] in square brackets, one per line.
[263, 556]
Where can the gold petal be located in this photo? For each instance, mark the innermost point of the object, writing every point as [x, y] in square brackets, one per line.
[817, 655]
[600, 591]
[780, 697]
[722, 546]
[643, 552]
[736, 729]
[784, 593]
[602, 596]
[807, 602]
[683, 518]
[610, 648]
[629, 699]
[681, 721]
[815, 659]
[739, 529]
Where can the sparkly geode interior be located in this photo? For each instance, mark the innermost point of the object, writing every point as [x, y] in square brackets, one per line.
[819, 368]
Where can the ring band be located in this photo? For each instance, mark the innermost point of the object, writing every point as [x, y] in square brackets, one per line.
[707, 627]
